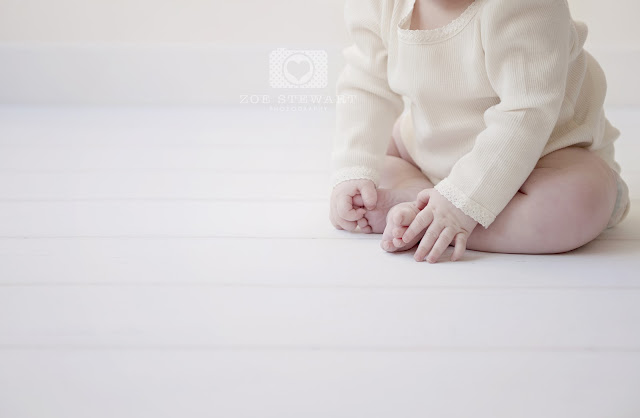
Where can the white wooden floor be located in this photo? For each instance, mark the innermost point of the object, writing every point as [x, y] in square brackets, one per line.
[181, 263]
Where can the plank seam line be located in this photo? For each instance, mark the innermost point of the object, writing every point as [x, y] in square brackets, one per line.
[416, 349]
[399, 288]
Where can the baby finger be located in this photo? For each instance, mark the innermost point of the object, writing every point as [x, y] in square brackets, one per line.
[419, 224]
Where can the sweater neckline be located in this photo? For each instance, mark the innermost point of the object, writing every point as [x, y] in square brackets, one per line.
[422, 36]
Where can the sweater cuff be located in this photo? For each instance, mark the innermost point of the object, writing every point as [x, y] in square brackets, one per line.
[354, 173]
[463, 202]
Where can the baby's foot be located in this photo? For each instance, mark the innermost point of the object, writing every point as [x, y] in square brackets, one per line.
[374, 221]
[398, 220]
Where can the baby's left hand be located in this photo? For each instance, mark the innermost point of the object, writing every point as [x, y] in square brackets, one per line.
[445, 223]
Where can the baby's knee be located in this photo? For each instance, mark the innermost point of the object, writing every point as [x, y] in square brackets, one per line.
[588, 200]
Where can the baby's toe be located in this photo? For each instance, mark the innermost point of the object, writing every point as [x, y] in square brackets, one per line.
[400, 217]
[387, 242]
[399, 231]
[363, 223]
[387, 245]
[398, 243]
[405, 214]
[387, 238]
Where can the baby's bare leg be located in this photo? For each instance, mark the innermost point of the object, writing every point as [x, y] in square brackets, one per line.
[400, 171]
[400, 181]
[565, 203]
[400, 174]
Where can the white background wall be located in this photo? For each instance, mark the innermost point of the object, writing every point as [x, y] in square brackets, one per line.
[249, 21]
[612, 22]
[113, 41]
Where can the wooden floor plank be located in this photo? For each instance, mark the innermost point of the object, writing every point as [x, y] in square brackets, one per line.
[303, 263]
[179, 184]
[161, 184]
[291, 384]
[278, 219]
[164, 125]
[170, 218]
[178, 157]
[319, 317]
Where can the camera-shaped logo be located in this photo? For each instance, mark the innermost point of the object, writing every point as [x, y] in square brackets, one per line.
[290, 69]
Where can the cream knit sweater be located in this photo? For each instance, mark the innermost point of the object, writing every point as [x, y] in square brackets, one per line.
[482, 98]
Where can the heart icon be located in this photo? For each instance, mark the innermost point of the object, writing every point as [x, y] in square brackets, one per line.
[298, 69]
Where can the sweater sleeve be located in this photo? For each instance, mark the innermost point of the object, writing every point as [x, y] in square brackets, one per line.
[366, 108]
[527, 47]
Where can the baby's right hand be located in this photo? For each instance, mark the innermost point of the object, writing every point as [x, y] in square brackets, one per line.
[343, 213]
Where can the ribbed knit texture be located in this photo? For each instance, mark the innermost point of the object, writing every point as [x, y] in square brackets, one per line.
[486, 96]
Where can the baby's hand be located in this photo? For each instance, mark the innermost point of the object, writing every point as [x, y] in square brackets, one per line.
[343, 213]
[444, 221]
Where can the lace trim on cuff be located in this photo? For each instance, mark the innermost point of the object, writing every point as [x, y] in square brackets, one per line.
[470, 208]
[354, 173]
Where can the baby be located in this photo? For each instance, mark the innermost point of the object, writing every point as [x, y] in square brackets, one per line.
[490, 112]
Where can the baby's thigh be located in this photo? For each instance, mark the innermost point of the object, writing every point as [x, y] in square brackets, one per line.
[570, 156]
[568, 168]
[392, 149]
[398, 144]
